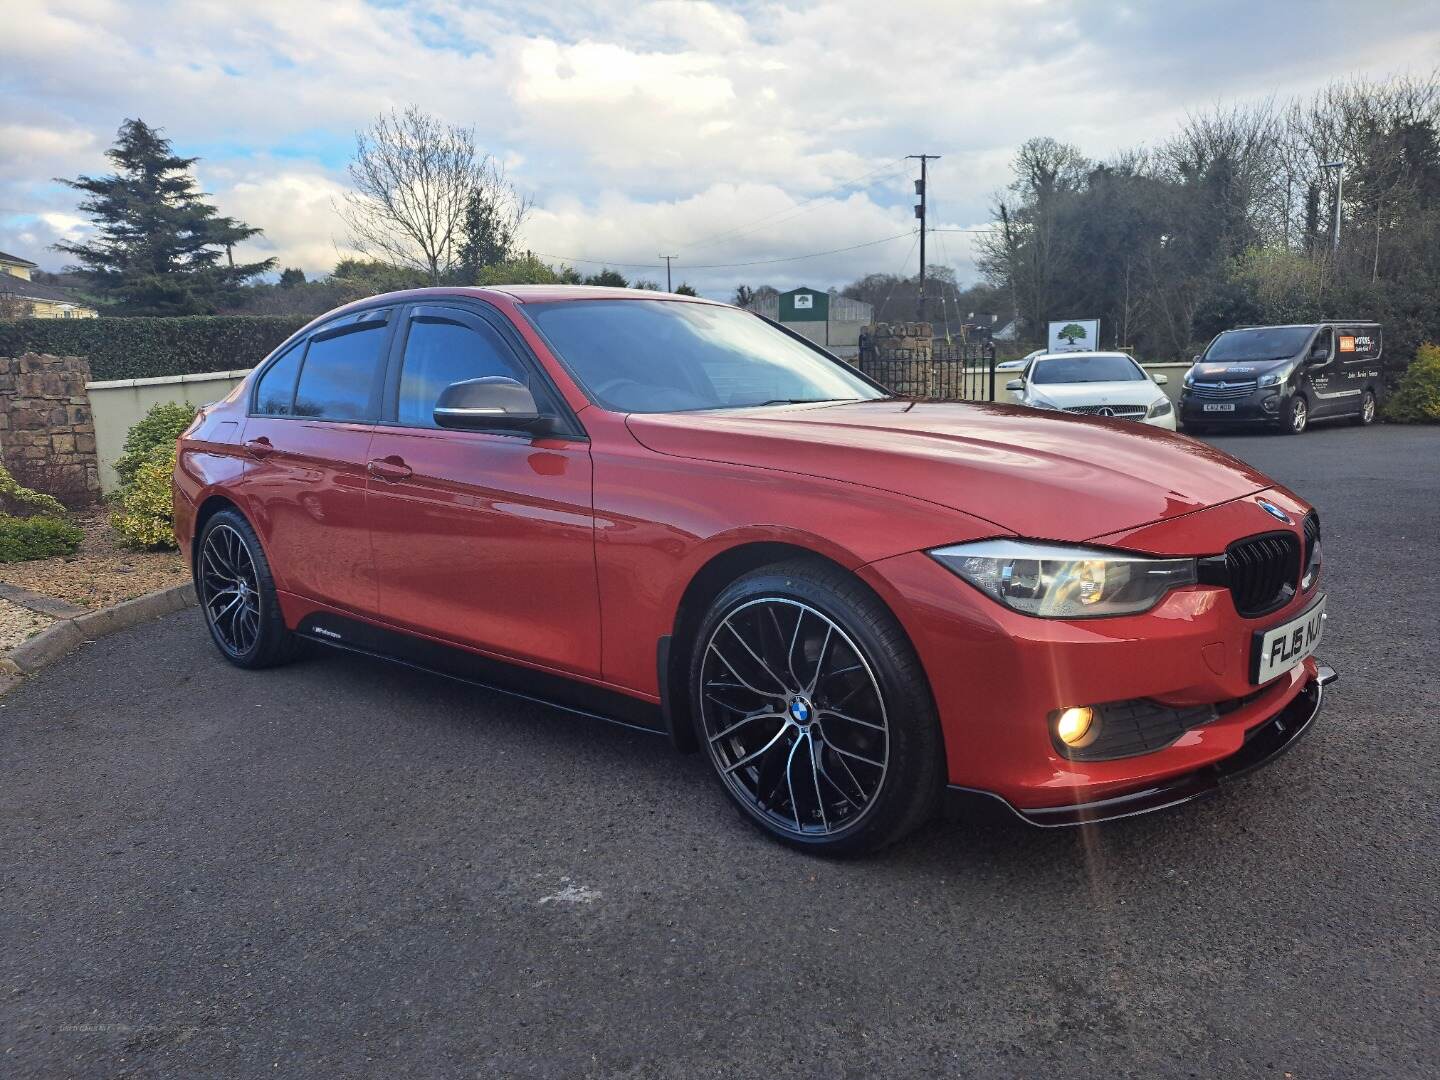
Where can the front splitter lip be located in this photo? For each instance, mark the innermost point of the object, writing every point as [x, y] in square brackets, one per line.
[1263, 745]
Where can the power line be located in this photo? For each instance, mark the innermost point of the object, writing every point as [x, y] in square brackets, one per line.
[667, 259]
[728, 266]
[792, 211]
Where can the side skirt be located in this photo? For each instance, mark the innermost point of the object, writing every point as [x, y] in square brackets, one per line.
[355, 636]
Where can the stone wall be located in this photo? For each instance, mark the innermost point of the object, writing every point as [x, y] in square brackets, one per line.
[47, 435]
[899, 355]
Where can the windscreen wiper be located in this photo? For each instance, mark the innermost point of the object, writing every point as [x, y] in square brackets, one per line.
[797, 401]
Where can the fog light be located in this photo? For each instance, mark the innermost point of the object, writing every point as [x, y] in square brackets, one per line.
[1075, 726]
[1271, 403]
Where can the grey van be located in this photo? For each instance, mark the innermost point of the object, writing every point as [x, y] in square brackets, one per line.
[1285, 377]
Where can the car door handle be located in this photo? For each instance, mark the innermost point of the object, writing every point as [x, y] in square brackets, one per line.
[259, 448]
[390, 468]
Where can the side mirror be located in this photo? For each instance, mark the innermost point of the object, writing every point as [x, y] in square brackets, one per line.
[1160, 378]
[489, 404]
[1015, 384]
[1319, 355]
[1195, 359]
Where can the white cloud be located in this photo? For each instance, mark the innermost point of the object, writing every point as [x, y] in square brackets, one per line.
[655, 126]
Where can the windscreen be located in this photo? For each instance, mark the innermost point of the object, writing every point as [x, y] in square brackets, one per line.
[669, 356]
[1086, 369]
[1266, 343]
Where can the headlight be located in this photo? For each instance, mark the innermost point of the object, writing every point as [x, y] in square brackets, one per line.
[1190, 377]
[1041, 403]
[1160, 408]
[1059, 582]
[1275, 377]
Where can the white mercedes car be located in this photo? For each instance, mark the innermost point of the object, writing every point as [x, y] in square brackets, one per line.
[1094, 384]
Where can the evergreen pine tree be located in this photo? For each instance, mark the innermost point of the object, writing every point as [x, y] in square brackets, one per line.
[159, 249]
[487, 238]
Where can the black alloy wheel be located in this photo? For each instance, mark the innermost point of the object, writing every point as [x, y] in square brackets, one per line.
[237, 594]
[814, 710]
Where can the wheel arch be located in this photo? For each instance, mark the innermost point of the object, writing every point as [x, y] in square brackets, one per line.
[211, 505]
[674, 651]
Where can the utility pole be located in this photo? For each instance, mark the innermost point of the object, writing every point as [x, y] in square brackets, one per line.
[667, 259]
[920, 213]
[1339, 166]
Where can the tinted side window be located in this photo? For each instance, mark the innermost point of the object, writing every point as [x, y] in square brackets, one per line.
[276, 390]
[338, 375]
[438, 353]
[1325, 340]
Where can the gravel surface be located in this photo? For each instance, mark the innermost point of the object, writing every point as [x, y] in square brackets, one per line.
[101, 573]
[18, 624]
[343, 868]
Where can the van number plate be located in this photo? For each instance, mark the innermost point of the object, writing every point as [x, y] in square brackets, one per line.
[1212, 407]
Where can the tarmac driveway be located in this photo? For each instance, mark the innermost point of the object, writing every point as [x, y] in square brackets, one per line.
[346, 869]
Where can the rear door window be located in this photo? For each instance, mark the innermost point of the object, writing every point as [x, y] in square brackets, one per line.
[338, 380]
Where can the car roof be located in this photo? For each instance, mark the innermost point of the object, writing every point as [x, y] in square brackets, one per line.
[542, 294]
[1079, 355]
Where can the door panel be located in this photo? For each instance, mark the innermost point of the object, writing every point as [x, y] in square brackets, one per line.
[482, 539]
[307, 443]
[305, 489]
[489, 542]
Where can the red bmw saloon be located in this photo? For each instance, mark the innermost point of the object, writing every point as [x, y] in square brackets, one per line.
[673, 513]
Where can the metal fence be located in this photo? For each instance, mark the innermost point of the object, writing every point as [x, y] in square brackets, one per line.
[950, 372]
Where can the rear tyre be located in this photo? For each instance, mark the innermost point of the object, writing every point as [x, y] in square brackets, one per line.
[237, 595]
[1295, 416]
[1366, 416]
[815, 711]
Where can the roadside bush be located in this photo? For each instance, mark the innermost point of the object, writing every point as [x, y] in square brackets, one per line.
[18, 501]
[1417, 401]
[159, 427]
[145, 512]
[36, 538]
[142, 348]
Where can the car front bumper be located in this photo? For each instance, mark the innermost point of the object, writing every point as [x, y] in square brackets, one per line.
[1262, 406]
[998, 677]
[1263, 744]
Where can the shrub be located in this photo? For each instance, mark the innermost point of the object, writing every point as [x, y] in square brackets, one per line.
[1417, 401]
[36, 538]
[145, 510]
[22, 502]
[161, 426]
[143, 348]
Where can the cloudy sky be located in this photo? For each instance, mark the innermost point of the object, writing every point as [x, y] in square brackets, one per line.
[744, 133]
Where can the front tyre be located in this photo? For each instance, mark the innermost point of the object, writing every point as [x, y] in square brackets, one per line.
[1295, 416]
[237, 594]
[815, 711]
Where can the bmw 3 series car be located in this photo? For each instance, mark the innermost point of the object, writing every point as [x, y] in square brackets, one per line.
[1094, 384]
[669, 512]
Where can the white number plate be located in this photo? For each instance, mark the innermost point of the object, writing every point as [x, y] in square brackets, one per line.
[1280, 648]
[1212, 407]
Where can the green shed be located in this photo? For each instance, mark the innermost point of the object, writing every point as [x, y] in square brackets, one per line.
[804, 305]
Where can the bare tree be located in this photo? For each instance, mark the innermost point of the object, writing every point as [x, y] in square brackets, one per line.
[416, 178]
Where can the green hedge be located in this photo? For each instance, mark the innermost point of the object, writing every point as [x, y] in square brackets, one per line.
[1417, 401]
[143, 348]
[22, 539]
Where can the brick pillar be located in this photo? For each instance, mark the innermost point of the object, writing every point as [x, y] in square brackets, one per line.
[47, 437]
[900, 356]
